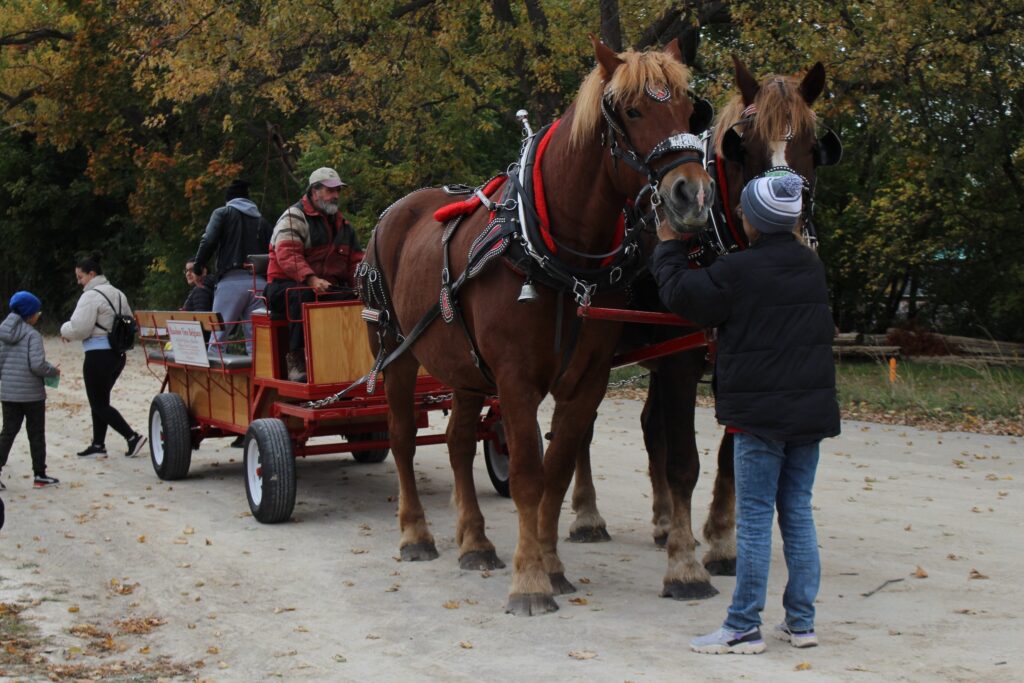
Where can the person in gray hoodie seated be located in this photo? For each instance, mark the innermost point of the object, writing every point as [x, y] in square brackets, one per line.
[235, 230]
[23, 368]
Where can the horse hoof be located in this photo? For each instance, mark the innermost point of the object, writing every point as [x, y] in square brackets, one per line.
[589, 534]
[724, 567]
[660, 540]
[560, 584]
[479, 560]
[530, 604]
[697, 590]
[419, 552]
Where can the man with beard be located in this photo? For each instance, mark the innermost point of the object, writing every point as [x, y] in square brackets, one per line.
[314, 252]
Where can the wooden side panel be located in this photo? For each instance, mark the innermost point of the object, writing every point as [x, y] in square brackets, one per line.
[337, 346]
[263, 363]
[209, 394]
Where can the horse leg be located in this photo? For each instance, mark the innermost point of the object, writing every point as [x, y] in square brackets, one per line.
[589, 526]
[417, 543]
[686, 578]
[476, 552]
[530, 593]
[657, 456]
[720, 527]
[575, 413]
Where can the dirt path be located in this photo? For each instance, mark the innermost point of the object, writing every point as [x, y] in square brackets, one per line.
[323, 597]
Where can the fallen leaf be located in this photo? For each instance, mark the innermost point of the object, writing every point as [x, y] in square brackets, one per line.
[213, 650]
[340, 658]
[975, 574]
[144, 650]
[466, 645]
[73, 609]
[359, 551]
[584, 579]
[578, 601]
[451, 604]
[279, 610]
[920, 573]
[802, 666]
[952, 556]
[188, 531]
[907, 527]
[582, 654]
[141, 539]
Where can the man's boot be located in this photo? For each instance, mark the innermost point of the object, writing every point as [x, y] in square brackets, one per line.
[296, 361]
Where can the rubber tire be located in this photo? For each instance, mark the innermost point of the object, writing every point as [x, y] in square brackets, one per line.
[498, 448]
[171, 455]
[269, 442]
[369, 457]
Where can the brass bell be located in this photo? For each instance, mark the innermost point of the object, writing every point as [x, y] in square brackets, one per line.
[527, 293]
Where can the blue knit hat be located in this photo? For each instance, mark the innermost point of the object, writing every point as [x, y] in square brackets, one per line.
[25, 304]
[773, 203]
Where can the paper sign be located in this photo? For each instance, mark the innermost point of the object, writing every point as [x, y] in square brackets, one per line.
[188, 343]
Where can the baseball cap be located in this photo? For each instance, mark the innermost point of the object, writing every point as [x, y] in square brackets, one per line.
[327, 177]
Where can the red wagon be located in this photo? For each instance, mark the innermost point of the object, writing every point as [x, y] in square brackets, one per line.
[221, 394]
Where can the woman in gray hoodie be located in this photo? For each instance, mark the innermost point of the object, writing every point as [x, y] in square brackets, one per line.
[22, 369]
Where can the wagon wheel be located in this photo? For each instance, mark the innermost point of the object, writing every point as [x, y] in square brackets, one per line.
[269, 471]
[375, 455]
[170, 437]
[497, 460]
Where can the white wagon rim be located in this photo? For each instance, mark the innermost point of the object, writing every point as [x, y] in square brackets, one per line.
[156, 445]
[254, 471]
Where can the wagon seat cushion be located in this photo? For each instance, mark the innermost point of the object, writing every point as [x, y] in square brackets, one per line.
[226, 361]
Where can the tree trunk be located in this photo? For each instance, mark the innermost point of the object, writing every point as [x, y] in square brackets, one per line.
[611, 27]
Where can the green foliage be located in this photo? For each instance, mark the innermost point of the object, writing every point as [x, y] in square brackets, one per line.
[123, 120]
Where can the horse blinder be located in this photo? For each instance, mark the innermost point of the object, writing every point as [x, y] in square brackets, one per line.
[703, 113]
[732, 146]
[828, 150]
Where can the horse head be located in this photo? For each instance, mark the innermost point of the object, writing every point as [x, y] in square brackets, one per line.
[652, 122]
[768, 126]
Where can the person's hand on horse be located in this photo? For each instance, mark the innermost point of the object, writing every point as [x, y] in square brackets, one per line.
[318, 284]
[665, 233]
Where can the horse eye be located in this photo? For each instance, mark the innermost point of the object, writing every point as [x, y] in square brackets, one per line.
[632, 113]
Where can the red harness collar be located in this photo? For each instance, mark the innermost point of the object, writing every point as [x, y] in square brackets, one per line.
[540, 202]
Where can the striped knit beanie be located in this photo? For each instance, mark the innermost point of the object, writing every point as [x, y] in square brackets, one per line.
[773, 203]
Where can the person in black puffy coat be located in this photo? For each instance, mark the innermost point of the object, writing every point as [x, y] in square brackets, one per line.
[774, 390]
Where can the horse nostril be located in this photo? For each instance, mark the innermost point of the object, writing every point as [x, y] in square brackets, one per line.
[680, 193]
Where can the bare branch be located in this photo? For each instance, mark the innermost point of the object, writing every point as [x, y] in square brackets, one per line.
[35, 36]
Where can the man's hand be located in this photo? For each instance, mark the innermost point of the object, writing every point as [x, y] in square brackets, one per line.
[318, 284]
[665, 233]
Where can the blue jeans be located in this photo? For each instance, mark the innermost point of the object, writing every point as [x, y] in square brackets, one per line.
[774, 474]
[234, 300]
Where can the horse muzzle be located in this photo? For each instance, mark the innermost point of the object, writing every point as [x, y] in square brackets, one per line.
[687, 204]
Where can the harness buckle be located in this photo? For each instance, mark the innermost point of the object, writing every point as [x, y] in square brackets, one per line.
[583, 291]
[445, 276]
[509, 204]
[615, 275]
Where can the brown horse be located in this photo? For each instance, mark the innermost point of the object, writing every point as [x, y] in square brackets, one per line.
[632, 110]
[764, 127]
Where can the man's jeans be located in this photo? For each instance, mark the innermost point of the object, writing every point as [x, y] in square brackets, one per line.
[772, 474]
[234, 300]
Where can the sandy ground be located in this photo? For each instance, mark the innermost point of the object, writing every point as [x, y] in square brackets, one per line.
[324, 598]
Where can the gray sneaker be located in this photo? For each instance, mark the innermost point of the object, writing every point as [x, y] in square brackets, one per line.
[806, 638]
[726, 642]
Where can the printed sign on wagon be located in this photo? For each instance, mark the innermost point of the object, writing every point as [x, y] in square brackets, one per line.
[187, 342]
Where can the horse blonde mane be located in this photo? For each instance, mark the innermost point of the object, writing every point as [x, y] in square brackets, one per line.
[779, 105]
[626, 86]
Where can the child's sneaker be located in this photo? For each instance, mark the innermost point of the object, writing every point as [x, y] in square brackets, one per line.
[724, 642]
[93, 449]
[135, 443]
[42, 481]
[806, 638]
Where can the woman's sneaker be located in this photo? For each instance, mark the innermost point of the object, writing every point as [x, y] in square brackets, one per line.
[93, 449]
[135, 443]
[806, 638]
[726, 642]
[42, 481]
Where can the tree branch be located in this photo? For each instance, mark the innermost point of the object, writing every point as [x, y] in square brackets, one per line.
[409, 7]
[35, 36]
[611, 24]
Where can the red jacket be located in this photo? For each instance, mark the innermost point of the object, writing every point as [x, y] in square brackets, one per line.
[306, 242]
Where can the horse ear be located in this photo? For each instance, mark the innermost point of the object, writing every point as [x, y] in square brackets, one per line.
[702, 114]
[745, 80]
[829, 149]
[732, 146]
[606, 57]
[672, 50]
[813, 83]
